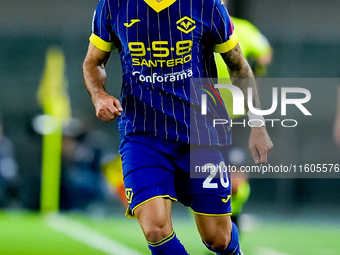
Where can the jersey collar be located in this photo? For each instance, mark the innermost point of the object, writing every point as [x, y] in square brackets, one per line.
[159, 6]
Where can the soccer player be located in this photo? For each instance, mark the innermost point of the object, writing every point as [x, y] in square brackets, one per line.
[162, 45]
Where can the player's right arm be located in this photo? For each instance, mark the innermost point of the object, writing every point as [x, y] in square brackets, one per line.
[101, 44]
[107, 106]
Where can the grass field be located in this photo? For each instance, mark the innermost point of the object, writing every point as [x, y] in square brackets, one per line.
[27, 233]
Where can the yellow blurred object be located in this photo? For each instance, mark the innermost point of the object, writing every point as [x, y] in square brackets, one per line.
[113, 172]
[240, 197]
[53, 97]
[52, 93]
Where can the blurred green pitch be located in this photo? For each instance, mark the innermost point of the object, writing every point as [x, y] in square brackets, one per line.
[24, 233]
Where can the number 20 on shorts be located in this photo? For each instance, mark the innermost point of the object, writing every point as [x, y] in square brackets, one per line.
[214, 169]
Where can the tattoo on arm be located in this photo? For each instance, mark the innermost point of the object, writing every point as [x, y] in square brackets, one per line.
[241, 74]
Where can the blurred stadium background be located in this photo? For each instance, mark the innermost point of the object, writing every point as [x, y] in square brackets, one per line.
[284, 216]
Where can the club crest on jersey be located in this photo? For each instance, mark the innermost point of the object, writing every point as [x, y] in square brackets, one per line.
[129, 195]
[186, 24]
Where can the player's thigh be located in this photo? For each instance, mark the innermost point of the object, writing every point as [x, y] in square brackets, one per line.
[214, 229]
[210, 186]
[211, 193]
[154, 209]
[149, 184]
[154, 217]
[147, 172]
[151, 192]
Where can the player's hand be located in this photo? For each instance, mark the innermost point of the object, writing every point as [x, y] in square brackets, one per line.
[260, 144]
[107, 107]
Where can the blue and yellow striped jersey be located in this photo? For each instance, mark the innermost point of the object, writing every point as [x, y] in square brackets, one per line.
[162, 46]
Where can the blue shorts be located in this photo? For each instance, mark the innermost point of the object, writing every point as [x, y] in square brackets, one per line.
[155, 167]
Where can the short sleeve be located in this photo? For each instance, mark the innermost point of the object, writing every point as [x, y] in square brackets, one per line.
[222, 29]
[103, 36]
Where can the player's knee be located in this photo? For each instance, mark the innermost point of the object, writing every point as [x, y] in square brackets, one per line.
[217, 242]
[157, 231]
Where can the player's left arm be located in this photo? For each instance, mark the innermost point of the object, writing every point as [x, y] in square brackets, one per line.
[242, 76]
